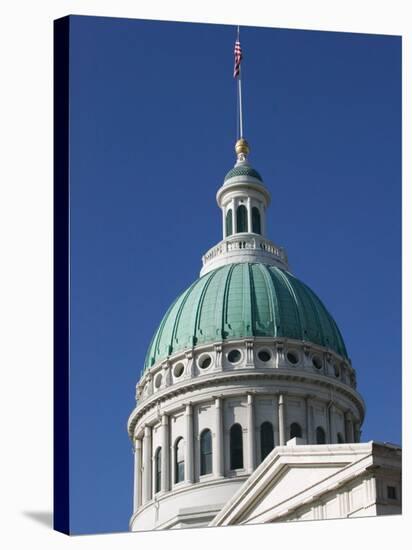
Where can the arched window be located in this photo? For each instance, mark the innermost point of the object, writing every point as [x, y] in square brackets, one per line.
[205, 452]
[339, 437]
[320, 436]
[256, 227]
[229, 223]
[241, 219]
[158, 469]
[179, 461]
[295, 430]
[266, 439]
[236, 447]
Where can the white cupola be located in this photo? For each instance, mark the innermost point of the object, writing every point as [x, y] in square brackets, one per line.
[243, 199]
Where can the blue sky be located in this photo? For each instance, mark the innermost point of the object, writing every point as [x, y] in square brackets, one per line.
[152, 129]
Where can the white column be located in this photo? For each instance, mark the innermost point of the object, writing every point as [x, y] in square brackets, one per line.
[224, 210]
[234, 219]
[249, 214]
[262, 211]
[147, 464]
[356, 432]
[137, 498]
[251, 444]
[349, 435]
[332, 430]
[281, 419]
[165, 482]
[308, 422]
[218, 462]
[189, 478]
[329, 417]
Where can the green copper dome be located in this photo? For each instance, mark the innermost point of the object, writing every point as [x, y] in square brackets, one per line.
[244, 300]
[243, 170]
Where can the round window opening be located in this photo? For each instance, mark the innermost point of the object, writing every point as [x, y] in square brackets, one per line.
[292, 357]
[264, 355]
[317, 362]
[205, 361]
[234, 356]
[179, 368]
[158, 381]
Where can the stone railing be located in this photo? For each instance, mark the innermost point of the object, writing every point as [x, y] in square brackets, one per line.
[252, 245]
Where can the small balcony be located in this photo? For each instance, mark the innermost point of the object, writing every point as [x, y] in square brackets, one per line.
[244, 247]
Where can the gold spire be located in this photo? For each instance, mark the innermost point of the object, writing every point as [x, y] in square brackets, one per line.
[242, 149]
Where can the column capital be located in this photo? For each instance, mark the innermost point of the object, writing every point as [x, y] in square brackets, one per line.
[250, 397]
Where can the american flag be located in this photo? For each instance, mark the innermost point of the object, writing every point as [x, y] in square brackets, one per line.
[238, 59]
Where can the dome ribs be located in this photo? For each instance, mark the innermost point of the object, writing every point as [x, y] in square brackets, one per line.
[197, 327]
[225, 325]
[290, 324]
[192, 292]
[247, 313]
[207, 313]
[243, 300]
[154, 350]
[264, 309]
[312, 326]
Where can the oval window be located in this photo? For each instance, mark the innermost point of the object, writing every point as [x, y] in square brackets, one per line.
[317, 362]
[292, 357]
[205, 361]
[178, 371]
[234, 356]
[264, 355]
[158, 381]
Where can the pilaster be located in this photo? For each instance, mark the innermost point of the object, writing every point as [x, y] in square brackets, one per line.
[251, 443]
[189, 462]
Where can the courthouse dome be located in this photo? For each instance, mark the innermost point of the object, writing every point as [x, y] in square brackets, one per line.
[242, 300]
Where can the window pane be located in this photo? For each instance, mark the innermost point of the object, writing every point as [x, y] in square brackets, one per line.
[229, 223]
[256, 220]
[266, 439]
[295, 430]
[236, 447]
[158, 470]
[241, 219]
[179, 461]
[206, 452]
[180, 472]
[320, 436]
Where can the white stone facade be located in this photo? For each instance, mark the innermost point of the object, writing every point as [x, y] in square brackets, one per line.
[249, 393]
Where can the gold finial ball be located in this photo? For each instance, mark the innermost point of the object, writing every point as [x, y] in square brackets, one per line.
[242, 147]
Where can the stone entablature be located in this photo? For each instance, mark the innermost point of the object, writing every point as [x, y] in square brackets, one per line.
[189, 364]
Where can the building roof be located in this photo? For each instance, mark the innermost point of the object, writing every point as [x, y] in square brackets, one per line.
[296, 476]
[243, 170]
[243, 300]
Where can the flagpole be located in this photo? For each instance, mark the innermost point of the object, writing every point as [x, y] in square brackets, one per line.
[240, 103]
[240, 94]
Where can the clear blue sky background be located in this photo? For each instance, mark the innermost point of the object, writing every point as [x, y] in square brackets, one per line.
[152, 129]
